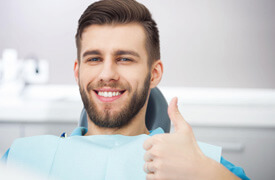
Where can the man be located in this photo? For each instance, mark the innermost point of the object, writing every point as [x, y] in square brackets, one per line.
[118, 63]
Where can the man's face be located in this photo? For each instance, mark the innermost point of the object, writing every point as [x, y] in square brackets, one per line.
[113, 73]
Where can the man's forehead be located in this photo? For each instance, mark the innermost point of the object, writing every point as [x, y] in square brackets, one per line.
[113, 37]
[113, 52]
[124, 31]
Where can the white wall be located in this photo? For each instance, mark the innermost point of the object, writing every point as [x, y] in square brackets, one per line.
[214, 43]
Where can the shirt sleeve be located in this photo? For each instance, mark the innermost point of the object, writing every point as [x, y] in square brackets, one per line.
[5, 157]
[238, 171]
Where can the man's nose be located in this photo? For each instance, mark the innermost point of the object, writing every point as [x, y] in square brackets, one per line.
[108, 71]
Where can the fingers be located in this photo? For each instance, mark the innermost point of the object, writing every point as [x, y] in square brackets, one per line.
[148, 143]
[150, 146]
[150, 177]
[175, 115]
[148, 156]
[149, 167]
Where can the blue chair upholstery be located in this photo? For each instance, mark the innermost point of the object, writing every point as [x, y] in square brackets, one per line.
[156, 114]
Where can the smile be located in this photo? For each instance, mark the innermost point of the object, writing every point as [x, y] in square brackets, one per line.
[108, 95]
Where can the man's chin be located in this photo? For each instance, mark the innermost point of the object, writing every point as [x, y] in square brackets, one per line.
[107, 122]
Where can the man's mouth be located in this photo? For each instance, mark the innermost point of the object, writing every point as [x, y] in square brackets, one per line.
[108, 95]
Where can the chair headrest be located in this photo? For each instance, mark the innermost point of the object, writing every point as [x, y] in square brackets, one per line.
[156, 113]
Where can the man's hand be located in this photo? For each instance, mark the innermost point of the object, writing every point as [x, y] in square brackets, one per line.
[177, 155]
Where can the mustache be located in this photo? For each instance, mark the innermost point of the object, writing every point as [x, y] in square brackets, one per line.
[111, 84]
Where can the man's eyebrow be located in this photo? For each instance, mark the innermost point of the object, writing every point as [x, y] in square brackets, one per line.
[125, 52]
[91, 52]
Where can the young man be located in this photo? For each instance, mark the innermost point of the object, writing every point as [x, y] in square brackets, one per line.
[118, 63]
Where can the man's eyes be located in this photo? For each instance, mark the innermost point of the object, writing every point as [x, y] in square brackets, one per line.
[124, 59]
[94, 59]
[97, 59]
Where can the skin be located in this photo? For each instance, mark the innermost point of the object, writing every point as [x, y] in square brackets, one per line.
[178, 156]
[168, 156]
[111, 67]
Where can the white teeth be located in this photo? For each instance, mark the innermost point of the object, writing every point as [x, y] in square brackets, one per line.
[108, 94]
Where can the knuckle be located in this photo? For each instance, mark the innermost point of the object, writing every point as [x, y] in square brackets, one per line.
[157, 177]
[158, 166]
[146, 156]
[158, 138]
[152, 177]
[188, 129]
[148, 143]
[156, 152]
[149, 177]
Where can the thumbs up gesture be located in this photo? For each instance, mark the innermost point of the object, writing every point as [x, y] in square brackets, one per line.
[177, 155]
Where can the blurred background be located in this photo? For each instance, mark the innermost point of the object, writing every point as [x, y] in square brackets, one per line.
[218, 56]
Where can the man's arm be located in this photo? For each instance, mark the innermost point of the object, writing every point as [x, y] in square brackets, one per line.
[178, 156]
[215, 170]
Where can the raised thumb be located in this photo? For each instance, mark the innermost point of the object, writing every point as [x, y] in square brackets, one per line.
[175, 115]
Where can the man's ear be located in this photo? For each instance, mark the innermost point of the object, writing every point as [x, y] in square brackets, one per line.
[76, 70]
[156, 73]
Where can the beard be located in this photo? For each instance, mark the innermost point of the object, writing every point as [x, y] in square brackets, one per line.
[119, 119]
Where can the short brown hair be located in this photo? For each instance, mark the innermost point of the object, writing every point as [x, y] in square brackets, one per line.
[121, 12]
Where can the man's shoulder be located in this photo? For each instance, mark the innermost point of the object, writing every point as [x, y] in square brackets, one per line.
[29, 145]
[33, 144]
[32, 152]
[32, 140]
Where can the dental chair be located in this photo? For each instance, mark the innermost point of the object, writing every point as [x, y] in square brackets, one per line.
[156, 113]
